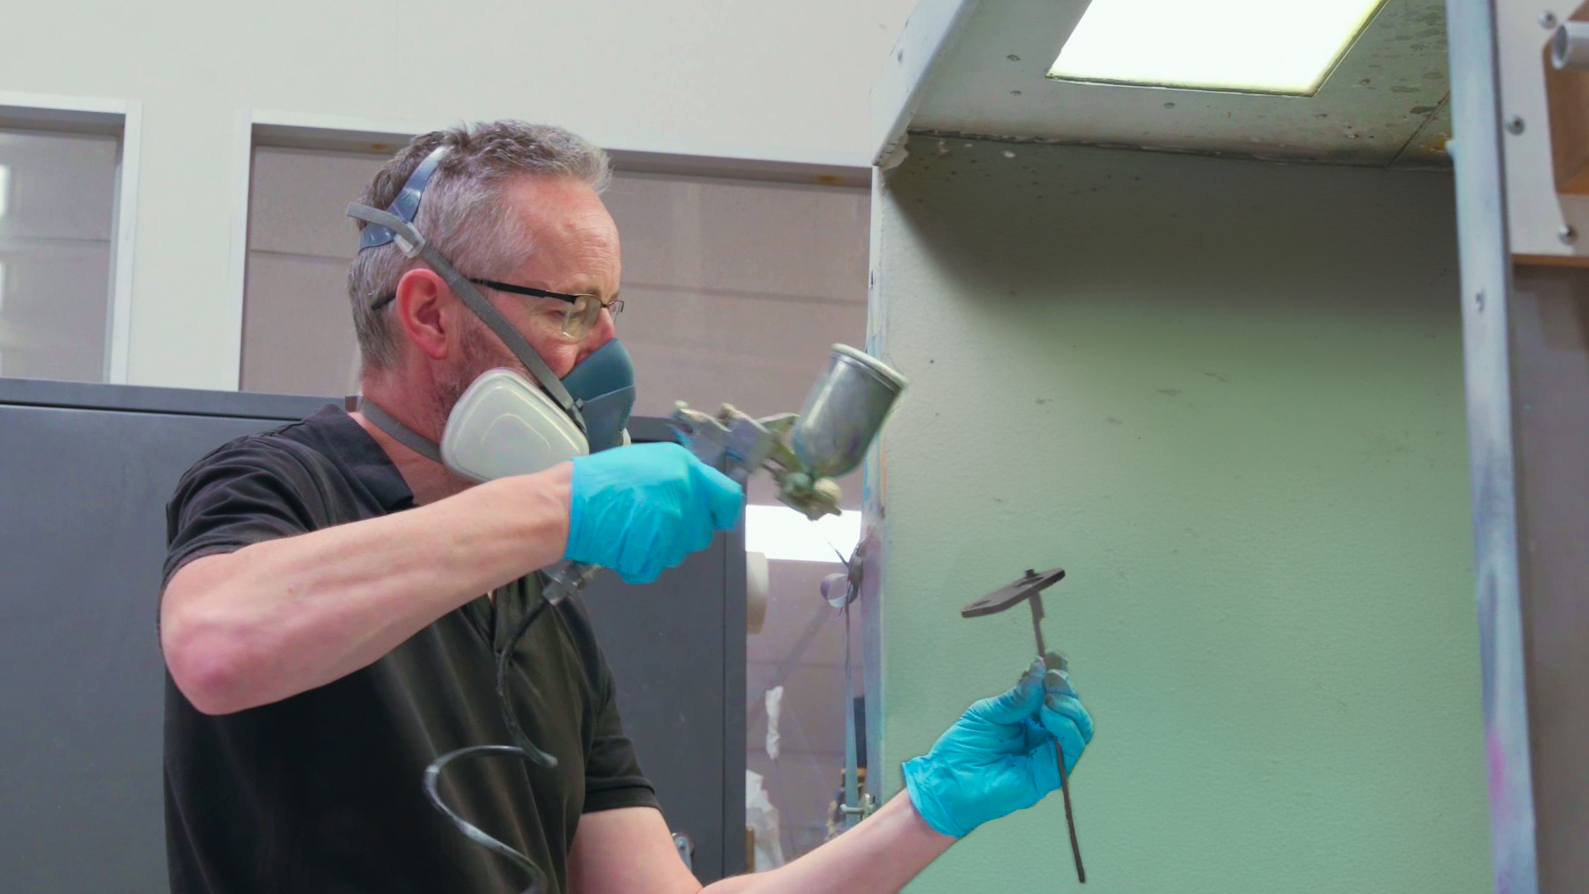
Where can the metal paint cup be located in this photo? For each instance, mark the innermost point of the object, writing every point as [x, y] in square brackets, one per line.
[844, 412]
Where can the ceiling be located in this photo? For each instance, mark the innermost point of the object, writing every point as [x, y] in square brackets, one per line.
[1385, 104]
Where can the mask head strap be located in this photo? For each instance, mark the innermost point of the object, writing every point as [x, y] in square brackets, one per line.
[400, 433]
[406, 205]
[396, 225]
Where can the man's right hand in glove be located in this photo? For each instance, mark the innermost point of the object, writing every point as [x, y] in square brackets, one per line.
[642, 508]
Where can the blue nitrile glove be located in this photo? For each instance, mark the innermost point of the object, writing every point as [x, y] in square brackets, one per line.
[642, 508]
[999, 756]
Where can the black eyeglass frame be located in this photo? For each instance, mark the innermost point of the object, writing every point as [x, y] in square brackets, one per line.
[614, 307]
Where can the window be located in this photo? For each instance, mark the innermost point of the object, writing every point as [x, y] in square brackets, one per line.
[57, 225]
[735, 292]
[297, 328]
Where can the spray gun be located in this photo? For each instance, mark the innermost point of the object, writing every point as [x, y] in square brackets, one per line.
[804, 452]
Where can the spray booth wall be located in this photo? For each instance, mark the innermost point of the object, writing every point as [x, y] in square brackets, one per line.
[1226, 396]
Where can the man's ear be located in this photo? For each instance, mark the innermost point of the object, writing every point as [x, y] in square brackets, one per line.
[422, 308]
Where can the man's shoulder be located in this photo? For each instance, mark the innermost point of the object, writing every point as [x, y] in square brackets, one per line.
[301, 443]
[259, 486]
[295, 462]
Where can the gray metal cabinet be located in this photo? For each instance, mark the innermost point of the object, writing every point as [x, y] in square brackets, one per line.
[85, 472]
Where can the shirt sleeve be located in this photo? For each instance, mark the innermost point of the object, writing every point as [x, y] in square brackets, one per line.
[244, 493]
[613, 777]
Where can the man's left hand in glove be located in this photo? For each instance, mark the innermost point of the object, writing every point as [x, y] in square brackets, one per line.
[1000, 757]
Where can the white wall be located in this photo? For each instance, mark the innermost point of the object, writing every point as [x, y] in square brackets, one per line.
[775, 80]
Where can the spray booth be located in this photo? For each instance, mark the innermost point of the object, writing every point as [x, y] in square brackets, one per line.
[1282, 376]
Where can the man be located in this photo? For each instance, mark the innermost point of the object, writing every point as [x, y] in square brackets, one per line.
[335, 595]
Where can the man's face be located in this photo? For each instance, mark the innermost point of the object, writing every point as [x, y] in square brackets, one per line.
[574, 250]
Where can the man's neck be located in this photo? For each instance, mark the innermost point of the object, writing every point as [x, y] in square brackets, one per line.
[429, 480]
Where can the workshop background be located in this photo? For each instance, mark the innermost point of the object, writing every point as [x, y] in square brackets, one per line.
[1225, 394]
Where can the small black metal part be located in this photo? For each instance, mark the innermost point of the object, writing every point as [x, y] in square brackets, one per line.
[1070, 820]
[1027, 589]
[1013, 594]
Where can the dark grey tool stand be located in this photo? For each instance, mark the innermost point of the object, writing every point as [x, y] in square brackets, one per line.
[85, 472]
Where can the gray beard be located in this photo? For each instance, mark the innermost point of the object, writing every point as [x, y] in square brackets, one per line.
[476, 355]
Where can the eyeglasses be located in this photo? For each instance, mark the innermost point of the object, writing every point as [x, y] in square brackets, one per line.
[582, 313]
[580, 317]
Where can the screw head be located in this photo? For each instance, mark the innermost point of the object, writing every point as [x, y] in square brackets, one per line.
[1514, 124]
[1568, 234]
[1478, 301]
[1547, 20]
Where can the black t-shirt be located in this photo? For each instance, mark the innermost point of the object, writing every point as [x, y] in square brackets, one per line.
[322, 792]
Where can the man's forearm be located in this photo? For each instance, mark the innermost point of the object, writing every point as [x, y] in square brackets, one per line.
[878, 856]
[278, 618]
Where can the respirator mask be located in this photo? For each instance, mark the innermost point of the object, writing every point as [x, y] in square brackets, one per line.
[504, 423]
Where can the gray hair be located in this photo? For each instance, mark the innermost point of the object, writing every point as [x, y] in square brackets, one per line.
[462, 214]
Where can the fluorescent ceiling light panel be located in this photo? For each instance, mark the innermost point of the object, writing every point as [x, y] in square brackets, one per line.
[1249, 46]
[782, 533]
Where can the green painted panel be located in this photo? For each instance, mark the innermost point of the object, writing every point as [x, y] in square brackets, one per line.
[1227, 397]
